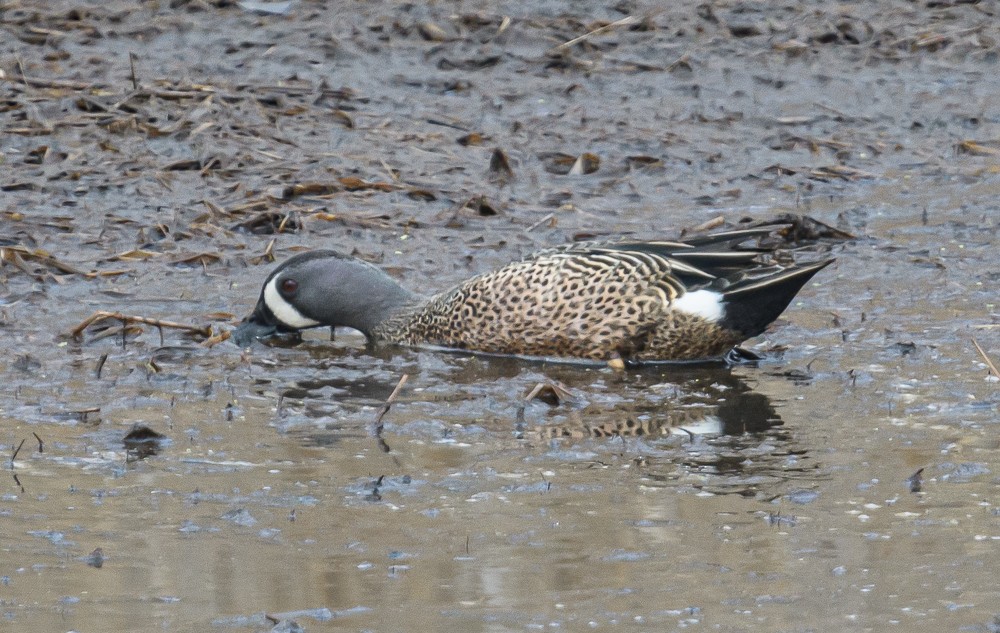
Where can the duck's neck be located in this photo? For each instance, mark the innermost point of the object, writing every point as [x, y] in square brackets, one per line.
[379, 299]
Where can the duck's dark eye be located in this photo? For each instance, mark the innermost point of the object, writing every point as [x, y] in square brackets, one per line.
[288, 287]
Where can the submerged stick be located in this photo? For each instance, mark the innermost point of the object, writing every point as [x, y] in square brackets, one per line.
[100, 365]
[131, 63]
[16, 451]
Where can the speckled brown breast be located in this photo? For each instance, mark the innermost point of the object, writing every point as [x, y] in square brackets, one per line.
[598, 304]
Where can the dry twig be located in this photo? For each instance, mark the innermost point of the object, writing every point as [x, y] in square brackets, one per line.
[212, 341]
[101, 315]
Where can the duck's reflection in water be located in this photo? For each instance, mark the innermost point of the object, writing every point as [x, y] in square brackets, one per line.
[530, 400]
[683, 401]
[702, 427]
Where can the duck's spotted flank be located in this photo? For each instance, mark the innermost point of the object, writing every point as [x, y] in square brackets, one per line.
[685, 300]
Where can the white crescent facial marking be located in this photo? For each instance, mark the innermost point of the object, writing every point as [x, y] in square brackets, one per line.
[706, 304]
[284, 311]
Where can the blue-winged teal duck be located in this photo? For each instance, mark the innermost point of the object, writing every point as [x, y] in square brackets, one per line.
[673, 301]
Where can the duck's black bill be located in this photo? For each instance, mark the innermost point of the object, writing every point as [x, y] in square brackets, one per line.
[258, 325]
[250, 331]
[261, 325]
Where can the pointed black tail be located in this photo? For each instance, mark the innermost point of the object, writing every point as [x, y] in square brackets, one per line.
[750, 306]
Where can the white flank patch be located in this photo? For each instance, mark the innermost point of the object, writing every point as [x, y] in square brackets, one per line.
[284, 311]
[706, 304]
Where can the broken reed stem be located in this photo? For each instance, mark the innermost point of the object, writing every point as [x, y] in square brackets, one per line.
[101, 315]
[534, 392]
[539, 223]
[48, 83]
[989, 362]
[626, 21]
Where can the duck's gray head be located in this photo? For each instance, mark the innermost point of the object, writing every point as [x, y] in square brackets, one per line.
[322, 288]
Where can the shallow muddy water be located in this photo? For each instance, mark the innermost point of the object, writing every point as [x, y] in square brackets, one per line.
[847, 481]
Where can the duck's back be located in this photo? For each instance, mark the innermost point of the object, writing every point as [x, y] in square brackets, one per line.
[594, 301]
